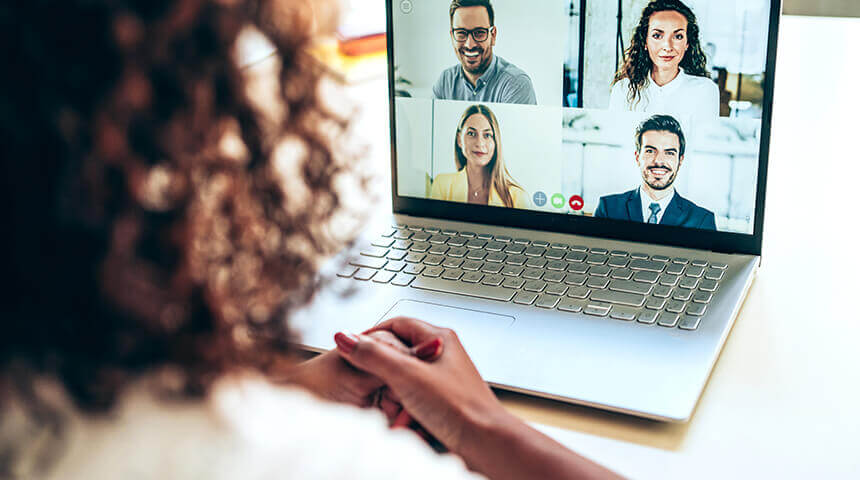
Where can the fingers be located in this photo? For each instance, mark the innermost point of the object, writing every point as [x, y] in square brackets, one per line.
[429, 350]
[374, 356]
[410, 330]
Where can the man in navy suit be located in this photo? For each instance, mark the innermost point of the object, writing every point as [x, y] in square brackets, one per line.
[660, 148]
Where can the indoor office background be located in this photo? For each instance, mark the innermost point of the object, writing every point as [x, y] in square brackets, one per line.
[719, 170]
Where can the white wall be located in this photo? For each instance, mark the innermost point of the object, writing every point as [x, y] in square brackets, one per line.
[414, 118]
[531, 34]
[530, 139]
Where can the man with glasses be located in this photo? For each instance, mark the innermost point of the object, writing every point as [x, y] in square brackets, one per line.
[480, 76]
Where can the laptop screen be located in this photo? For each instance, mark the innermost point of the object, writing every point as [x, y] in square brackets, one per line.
[641, 111]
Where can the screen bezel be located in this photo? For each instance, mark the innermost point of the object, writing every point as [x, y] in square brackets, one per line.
[724, 242]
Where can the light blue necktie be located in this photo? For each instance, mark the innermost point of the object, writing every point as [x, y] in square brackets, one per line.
[655, 209]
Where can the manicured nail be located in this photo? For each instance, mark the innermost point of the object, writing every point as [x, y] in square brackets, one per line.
[429, 349]
[345, 342]
[403, 420]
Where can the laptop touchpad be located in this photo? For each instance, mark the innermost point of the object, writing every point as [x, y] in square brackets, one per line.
[479, 332]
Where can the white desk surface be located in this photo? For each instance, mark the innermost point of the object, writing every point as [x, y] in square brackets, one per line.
[784, 396]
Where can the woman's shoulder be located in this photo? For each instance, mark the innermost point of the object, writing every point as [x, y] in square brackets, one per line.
[519, 197]
[446, 177]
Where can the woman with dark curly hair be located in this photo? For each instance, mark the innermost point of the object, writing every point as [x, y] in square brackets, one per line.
[166, 211]
[664, 67]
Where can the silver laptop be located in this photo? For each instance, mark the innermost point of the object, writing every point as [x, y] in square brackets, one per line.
[578, 191]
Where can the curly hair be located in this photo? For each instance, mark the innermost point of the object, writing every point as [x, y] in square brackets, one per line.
[159, 217]
[637, 64]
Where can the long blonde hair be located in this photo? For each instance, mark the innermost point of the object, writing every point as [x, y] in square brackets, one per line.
[501, 179]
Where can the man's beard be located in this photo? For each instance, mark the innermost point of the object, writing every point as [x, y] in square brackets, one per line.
[481, 67]
[669, 182]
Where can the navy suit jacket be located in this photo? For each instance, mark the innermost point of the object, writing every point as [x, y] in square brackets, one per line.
[680, 212]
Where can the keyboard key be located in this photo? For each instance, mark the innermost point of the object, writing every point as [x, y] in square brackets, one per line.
[389, 232]
[568, 305]
[647, 317]
[688, 282]
[532, 274]
[432, 230]
[666, 319]
[714, 274]
[547, 301]
[536, 286]
[485, 236]
[556, 289]
[467, 234]
[555, 254]
[512, 271]
[402, 280]
[535, 251]
[675, 269]
[646, 277]
[600, 271]
[496, 257]
[578, 248]
[662, 291]
[514, 249]
[458, 252]
[575, 257]
[402, 235]
[708, 286]
[402, 244]
[439, 239]
[559, 246]
[438, 249]
[647, 265]
[668, 280]
[415, 228]
[434, 260]
[347, 271]
[420, 247]
[396, 255]
[681, 261]
[449, 232]
[492, 268]
[675, 306]
[472, 265]
[696, 309]
[689, 323]
[720, 265]
[682, 294]
[536, 262]
[655, 303]
[597, 282]
[579, 292]
[415, 257]
[503, 238]
[599, 251]
[575, 279]
[494, 246]
[375, 252]
[619, 253]
[525, 298]
[625, 314]
[466, 289]
[364, 274]
[476, 255]
[452, 274]
[640, 256]
[630, 287]
[621, 298]
[622, 274]
[414, 269]
[702, 297]
[597, 310]
[395, 266]
[476, 243]
[452, 262]
[553, 277]
[557, 266]
[421, 237]
[383, 277]
[660, 258]
[522, 241]
[369, 262]
[518, 260]
[574, 267]
[700, 263]
[493, 280]
[433, 272]
[457, 242]
[472, 277]
[618, 262]
[383, 242]
[596, 259]
[513, 282]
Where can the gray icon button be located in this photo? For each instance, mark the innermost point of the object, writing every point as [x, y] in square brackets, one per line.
[406, 6]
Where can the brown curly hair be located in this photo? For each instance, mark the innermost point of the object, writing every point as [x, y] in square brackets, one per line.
[637, 64]
[157, 216]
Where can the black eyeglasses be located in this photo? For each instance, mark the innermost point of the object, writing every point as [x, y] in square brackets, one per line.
[479, 34]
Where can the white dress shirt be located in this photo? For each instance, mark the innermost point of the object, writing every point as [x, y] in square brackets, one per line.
[647, 201]
[687, 98]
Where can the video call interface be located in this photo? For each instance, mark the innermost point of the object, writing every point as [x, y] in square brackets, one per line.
[644, 111]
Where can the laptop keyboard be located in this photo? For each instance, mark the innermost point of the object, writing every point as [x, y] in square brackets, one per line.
[625, 286]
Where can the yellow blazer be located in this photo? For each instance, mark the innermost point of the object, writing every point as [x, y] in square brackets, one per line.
[454, 187]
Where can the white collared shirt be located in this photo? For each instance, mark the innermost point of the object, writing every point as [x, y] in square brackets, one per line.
[687, 98]
[647, 201]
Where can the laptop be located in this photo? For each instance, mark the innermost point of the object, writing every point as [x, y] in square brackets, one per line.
[578, 190]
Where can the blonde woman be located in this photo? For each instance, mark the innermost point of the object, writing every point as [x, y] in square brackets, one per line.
[481, 177]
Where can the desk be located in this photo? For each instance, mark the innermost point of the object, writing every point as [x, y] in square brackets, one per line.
[782, 401]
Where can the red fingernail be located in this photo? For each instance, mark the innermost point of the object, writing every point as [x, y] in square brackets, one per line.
[428, 349]
[402, 421]
[346, 343]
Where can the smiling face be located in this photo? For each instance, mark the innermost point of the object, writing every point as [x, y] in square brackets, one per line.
[477, 141]
[667, 39]
[474, 56]
[659, 158]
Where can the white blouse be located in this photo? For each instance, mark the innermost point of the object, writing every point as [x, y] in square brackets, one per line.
[249, 430]
[688, 98]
